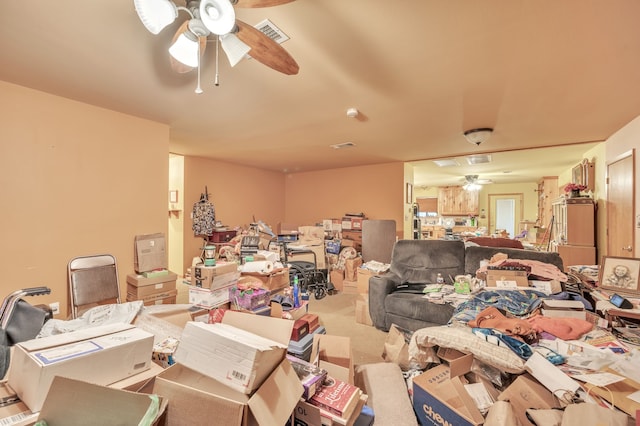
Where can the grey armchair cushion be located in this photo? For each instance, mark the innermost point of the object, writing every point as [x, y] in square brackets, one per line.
[420, 261]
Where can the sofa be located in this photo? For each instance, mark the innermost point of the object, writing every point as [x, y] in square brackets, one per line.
[395, 297]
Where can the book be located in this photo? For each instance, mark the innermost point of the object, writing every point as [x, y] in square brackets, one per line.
[336, 397]
[309, 374]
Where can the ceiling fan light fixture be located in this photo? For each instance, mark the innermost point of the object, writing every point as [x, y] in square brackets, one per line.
[478, 136]
[185, 49]
[218, 16]
[235, 48]
[156, 14]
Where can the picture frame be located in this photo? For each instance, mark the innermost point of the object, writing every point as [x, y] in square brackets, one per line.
[409, 199]
[577, 175]
[620, 275]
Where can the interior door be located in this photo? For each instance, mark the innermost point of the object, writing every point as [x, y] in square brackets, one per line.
[621, 206]
[505, 212]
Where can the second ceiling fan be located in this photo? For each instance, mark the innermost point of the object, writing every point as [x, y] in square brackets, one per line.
[214, 18]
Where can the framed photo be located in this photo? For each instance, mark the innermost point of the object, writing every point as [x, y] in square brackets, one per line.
[620, 274]
[577, 175]
[409, 193]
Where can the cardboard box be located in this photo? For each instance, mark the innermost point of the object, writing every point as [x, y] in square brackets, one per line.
[349, 287]
[162, 298]
[563, 308]
[220, 281]
[138, 280]
[317, 249]
[439, 395]
[141, 292]
[352, 235]
[150, 252]
[362, 310]
[363, 279]
[507, 279]
[195, 398]
[333, 353]
[526, 392]
[75, 403]
[207, 298]
[336, 276]
[215, 276]
[102, 355]
[276, 280]
[240, 352]
[310, 415]
[547, 287]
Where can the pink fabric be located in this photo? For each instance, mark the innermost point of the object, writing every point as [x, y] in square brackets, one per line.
[563, 328]
[539, 269]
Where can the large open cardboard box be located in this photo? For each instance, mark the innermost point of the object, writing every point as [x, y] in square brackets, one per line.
[439, 395]
[239, 352]
[197, 399]
[77, 403]
[526, 392]
[100, 355]
[333, 353]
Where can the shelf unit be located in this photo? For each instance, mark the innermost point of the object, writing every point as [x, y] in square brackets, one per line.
[574, 230]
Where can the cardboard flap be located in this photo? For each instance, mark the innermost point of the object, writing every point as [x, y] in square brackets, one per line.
[333, 353]
[275, 400]
[562, 304]
[275, 329]
[72, 402]
[73, 336]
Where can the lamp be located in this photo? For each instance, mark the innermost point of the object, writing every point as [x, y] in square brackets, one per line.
[478, 136]
[235, 48]
[472, 183]
[186, 47]
[156, 14]
[218, 16]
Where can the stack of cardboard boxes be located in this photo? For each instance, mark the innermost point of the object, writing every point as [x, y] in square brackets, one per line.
[152, 283]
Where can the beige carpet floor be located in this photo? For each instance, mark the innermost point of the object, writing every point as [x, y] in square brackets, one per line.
[337, 315]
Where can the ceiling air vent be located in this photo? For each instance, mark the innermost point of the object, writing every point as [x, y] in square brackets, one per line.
[446, 162]
[479, 158]
[272, 31]
[343, 145]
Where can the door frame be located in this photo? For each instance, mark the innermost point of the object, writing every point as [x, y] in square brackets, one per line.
[518, 214]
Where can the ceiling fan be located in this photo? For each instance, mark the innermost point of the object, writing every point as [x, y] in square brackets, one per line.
[472, 183]
[216, 18]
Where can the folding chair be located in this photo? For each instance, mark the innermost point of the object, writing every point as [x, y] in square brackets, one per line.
[93, 280]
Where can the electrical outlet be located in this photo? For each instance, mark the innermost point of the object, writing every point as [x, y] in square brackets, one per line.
[55, 307]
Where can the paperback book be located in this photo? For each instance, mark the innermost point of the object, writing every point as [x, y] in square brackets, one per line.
[336, 397]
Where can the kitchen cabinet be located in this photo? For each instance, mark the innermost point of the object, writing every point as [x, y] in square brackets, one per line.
[455, 201]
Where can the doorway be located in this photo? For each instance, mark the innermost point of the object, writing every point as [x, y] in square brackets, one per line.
[620, 206]
[505, 212]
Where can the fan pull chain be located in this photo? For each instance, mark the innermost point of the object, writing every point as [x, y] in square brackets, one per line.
[198, 88]
[216, 81]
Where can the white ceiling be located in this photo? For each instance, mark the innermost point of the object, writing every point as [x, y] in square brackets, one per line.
[540, 72]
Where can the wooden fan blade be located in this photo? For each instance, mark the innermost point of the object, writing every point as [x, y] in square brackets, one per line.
[265, 50]
[259, 3]
[178, 66]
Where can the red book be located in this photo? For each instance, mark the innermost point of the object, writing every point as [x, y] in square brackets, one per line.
[337, 397]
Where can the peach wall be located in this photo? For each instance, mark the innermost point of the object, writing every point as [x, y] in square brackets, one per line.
[377, 191]
[75, 180]
[238, 194]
